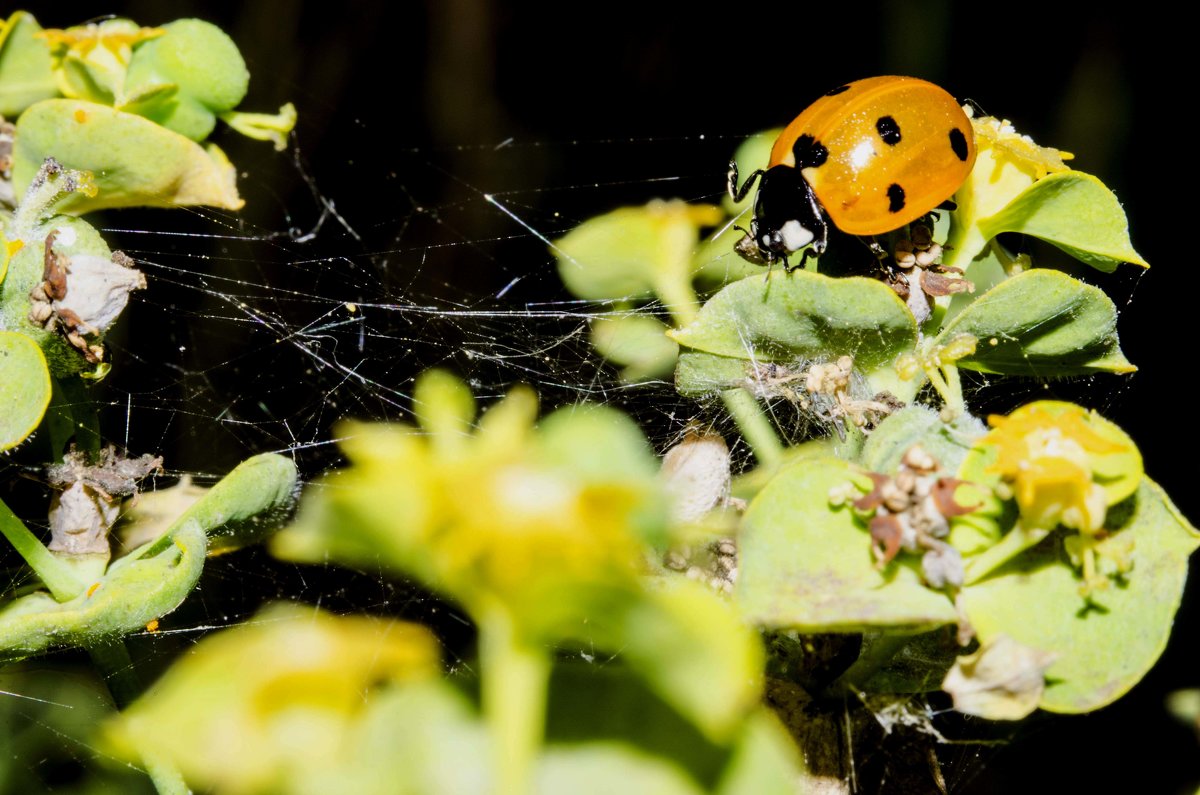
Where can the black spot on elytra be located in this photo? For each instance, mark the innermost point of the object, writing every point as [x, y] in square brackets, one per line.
[958, 142]
[833, 92]
[809, 152]
[895, 198]
[889, 131]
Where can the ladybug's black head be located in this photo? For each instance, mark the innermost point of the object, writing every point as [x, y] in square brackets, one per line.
[787, 217]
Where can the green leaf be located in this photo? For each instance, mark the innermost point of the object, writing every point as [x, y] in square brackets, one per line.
[245, 505]
[807, 316]
[1103, 650]
[134, 591]
[947, 442]
[1040, 323]
[700, 374]
[604, 706]
[803, 315]
[443, 405]
[1075, 212]
[26, 75]
[154, 579]
[24, 388]
[806, 565]
[637, 343]
[135, 161]
[695, 653]
[633, 252]
[204, 66]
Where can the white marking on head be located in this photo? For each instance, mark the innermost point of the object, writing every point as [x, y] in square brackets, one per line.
[795, 236]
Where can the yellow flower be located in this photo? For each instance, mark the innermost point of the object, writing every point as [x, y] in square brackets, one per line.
[1053, 457]
[1011, 146]
[541, 517]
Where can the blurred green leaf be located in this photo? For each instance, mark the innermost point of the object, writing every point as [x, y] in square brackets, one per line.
[632, 253]
[26, 75]
[292, 718]
[637, 343]
[696, 654]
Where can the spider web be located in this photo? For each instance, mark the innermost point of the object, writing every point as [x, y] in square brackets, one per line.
[365, 255]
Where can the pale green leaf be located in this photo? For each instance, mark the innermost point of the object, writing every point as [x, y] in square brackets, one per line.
[1104, 650]
[1075, 212]
[1040, 323]
[803, 315]
[895, 435]
[24, 387]
[695, 653]
[637, 343]
[135, 161]
[25, 71]
[807, 565]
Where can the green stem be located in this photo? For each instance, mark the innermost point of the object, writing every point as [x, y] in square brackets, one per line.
[954, 385]
[55, 573]
[679, 298]
[1014, 543]
[164, 775]
[85, 417]
[515, 677]
[756, 429]
[876, 653]
[116, 667]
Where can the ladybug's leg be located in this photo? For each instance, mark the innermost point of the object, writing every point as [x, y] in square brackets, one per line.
[731, 182]
[804, 255]
[876, 249]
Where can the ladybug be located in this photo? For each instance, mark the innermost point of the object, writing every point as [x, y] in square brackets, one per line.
[869, 156]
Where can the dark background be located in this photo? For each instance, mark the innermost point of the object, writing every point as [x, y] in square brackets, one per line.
[410, 112]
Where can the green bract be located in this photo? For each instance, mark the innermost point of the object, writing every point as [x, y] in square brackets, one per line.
[1040, 322]
[1011, 189]
[806, 564]
[187, 76]
[135, 161]
[1100, 651]
[153, 579]
[802, 316]
[25, 68]
[24, 388]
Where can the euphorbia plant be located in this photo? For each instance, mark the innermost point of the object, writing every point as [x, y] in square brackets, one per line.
[106, 115]
[1041, 544]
